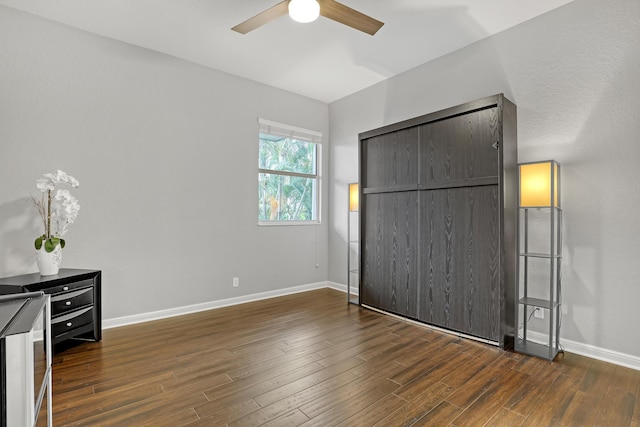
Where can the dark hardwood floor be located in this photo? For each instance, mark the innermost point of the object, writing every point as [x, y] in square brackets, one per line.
[311, 359]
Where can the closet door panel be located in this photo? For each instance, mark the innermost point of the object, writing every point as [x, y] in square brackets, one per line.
[391, 160]
[442, 253]
[389, 265]
[459, 148]
[459, 260]
[482, 264]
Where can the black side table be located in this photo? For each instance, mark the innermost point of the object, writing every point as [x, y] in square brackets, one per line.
[76, 307]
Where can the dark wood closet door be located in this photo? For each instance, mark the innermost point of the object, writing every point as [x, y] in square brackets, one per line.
[390, 161]
[459, 260]
[389, 273]
[437, 218]
[459, 149]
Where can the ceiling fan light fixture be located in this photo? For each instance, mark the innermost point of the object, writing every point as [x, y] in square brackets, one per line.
[304, 10]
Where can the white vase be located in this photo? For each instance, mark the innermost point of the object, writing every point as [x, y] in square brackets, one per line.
[49, 262]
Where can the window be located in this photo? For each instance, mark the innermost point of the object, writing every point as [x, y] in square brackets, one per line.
[288, 178]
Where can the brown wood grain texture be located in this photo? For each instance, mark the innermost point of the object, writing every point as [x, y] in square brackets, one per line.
[247, 366]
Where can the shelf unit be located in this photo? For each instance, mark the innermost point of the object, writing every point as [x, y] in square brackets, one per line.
[353, 244]
[540, 258]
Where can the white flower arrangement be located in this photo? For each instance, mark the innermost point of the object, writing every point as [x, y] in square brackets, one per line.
[56, 210]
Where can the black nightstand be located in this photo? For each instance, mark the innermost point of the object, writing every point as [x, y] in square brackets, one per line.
[76, 307]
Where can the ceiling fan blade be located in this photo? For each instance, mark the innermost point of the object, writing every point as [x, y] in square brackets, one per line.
[262, 18]
[345, 15]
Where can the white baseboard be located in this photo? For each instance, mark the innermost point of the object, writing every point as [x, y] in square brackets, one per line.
[337, 286]
[179, 311]
[340, 287]
[592, 351]
[582, 349]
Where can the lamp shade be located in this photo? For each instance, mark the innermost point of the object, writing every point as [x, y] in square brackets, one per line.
[536, 189]
[354, 197]
[304, 10]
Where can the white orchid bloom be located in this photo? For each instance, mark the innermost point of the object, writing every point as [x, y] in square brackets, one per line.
[64, 207]
[45, 185]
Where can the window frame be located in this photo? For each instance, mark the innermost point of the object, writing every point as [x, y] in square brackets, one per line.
[300, 134]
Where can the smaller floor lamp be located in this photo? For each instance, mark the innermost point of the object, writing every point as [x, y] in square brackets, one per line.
[540, 256]
[353, 242]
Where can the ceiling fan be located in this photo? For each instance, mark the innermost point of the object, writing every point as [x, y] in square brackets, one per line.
[308, 10]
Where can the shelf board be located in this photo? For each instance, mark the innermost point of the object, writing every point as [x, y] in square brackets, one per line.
[535, 349]
[540, 255]
[526, 208]
[538, 302]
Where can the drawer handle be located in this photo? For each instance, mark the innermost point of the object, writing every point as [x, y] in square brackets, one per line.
[69, 324]
[65, 288]
[67, 303]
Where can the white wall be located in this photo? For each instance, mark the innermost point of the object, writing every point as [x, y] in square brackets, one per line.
[166, 155]
[573, 74]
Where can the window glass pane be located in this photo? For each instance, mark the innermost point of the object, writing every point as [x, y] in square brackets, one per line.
[285, 154]
[286, 198]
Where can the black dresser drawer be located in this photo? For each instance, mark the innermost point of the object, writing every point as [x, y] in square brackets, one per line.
[76, 308]
[67, 322]
[67, 301]
[69, 287]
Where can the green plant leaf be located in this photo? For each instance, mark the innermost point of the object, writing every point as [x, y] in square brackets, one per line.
[50, 244]
[38, 242]
[62, 243]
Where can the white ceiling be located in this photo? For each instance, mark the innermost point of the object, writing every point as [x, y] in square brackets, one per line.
[323, 60]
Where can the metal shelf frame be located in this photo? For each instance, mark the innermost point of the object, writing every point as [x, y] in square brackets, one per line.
[540, 335]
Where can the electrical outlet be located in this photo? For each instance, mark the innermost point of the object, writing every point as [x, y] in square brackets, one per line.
[236, 282]
[539, 313]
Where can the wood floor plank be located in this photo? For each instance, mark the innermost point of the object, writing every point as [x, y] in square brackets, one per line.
[598, 378]
[286, 390]
[582, 411]
[626, 379]
[505, 418]
[178, 418]
[479, 383]
[573, 365]
[372, 414]
[491, 401]
[553, 404]
[221, 414]
[312, 358]
[532, 366]
[158, 408]
[469, 369]
[441, 415]
[294, 401]
[529, 395]
[420, 406]
[238, 391]
[437, 355]
[617, 408]
[345, 408]
[363, 385]
[291, 419]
